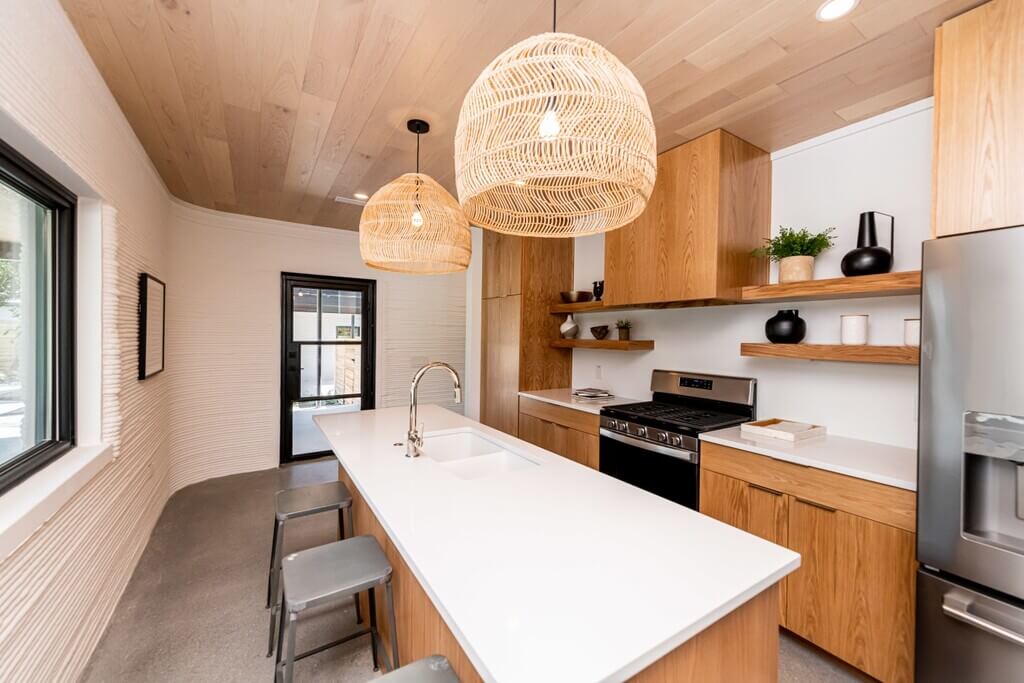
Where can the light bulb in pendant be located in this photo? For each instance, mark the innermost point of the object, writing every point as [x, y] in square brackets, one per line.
[417, 219]
[549, 126]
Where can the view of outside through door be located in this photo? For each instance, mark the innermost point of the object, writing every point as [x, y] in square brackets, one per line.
[327, 335]
[25, 319]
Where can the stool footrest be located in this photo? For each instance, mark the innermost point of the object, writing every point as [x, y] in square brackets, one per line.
[321, 648]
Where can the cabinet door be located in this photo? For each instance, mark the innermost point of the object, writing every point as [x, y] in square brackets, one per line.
[499, 360]
[547, 435]
[757, 510]
[668, 252]
[582, 447]
[853, 594]
[502, 265]
[979, 104]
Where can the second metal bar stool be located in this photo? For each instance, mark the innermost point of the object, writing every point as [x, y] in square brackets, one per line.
[324, 575]
[301, 502]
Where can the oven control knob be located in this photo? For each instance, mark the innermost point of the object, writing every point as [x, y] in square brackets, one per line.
[675, 440]
[662, 437]
[641, 431]
[620, 425]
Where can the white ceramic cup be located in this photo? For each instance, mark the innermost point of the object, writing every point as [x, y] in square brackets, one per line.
[911, 331]
[853, 329]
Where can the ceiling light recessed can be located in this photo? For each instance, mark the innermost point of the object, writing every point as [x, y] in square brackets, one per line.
[831, 10]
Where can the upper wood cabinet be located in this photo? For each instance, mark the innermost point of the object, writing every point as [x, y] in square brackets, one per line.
[521, 279]
[979, 106]
[709, 209]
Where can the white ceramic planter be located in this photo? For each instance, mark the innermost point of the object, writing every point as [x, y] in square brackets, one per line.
[796, 269]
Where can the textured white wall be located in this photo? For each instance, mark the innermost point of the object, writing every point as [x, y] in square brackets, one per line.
[61, 585]
[882, 164]
[224, 344]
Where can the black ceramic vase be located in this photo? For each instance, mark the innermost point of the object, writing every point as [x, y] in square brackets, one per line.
[598, 290]
[785, 327]
[869, 258]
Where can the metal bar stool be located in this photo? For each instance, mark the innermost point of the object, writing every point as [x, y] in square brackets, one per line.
[433, 669]
[300, 502]
[327, 574]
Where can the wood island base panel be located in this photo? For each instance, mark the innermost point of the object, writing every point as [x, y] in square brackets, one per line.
[708, 657]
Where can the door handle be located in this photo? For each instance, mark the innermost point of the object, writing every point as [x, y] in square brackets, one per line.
[957, 607]
[765, 489]
[820, 506]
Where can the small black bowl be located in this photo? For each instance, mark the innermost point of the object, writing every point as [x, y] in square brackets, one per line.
[599, 332]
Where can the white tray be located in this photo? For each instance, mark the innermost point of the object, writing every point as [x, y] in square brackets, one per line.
[784, 430]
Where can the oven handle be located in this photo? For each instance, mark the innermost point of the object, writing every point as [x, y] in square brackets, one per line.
[688, 456]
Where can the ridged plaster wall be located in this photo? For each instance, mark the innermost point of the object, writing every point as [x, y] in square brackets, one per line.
[59, 587]
[224, 333]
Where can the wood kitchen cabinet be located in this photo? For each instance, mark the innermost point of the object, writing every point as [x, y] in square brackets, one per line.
[571, 433]
[979, 106]
[760, 511]
[853, 594]
[522, 277]
[709, 209]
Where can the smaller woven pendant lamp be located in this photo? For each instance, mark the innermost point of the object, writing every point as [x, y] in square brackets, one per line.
[555, 139]
[413, 225]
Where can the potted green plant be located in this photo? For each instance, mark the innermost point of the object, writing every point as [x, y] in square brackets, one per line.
[623, 327]
[795, 250]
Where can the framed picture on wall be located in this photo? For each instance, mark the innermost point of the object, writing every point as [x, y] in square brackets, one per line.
[152, 299]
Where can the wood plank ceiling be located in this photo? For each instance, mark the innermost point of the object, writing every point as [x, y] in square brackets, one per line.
[274, 107]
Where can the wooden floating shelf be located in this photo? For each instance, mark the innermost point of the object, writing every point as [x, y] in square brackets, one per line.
[577, 308]
[886, 284]
[848, 353]
[598, 306]
[607, 344]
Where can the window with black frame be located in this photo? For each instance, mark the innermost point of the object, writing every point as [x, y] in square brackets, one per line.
[37, 340]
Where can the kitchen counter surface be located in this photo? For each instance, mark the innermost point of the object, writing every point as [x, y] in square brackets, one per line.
[881, 463]
[564, 398]
[552, 572]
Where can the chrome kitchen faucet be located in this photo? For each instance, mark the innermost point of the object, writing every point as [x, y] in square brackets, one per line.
[414, 439]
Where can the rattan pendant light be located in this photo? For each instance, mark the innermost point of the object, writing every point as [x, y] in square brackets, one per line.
[413, 225]
[555, 139]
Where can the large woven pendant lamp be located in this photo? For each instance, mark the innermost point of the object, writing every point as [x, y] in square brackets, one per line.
[555, 139]
[413, 225]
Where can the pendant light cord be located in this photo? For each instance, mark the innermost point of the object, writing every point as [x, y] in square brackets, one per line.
[417, 153]
[554, 16]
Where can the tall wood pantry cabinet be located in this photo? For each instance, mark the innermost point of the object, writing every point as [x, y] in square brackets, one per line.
[522, 277]
[979, 110]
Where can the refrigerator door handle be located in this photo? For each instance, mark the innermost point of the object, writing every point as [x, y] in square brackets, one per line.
[956, 607]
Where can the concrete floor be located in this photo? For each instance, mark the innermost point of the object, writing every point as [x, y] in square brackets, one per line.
[193, 610]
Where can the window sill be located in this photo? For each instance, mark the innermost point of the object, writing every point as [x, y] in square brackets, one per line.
[30, 504]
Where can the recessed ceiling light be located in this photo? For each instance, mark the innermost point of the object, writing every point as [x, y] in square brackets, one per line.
[831, 10]
[357, 200]
[361, 195]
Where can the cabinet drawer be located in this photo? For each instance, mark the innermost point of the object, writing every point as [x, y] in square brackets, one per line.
[885, 504]
[567, 417]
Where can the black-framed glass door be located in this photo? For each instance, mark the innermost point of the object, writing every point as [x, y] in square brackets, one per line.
[327, 356]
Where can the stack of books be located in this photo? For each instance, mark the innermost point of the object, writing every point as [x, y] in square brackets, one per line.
[591, 394]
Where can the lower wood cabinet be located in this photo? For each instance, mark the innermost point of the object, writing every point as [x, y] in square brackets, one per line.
[570, 433]
[853, 594]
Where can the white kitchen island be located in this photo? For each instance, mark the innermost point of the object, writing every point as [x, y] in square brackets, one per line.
[530, 567]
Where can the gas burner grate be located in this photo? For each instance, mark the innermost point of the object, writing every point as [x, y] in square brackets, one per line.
[688, 417]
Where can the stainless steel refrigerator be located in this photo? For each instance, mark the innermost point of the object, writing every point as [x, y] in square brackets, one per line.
[970, 506]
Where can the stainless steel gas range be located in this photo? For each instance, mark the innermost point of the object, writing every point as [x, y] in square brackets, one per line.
[654, 445]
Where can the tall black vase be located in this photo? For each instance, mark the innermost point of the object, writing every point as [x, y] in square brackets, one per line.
[786, 327]
[869, 258]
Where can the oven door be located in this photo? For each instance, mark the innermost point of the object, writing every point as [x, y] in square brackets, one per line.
[667, 472]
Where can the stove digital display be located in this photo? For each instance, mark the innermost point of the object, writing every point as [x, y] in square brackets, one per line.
[694, 383]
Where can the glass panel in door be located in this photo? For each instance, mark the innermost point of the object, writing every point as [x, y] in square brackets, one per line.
[328, 357]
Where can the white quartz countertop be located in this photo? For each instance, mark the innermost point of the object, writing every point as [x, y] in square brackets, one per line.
[564, 397]
[553, 572]
[881, 463]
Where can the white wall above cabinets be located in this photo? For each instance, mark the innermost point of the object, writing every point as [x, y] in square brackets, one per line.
[881, 164]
